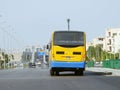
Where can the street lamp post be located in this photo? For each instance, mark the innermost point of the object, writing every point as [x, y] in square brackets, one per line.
[68, 20]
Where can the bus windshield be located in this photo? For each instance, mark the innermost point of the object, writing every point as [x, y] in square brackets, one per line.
[69, 38]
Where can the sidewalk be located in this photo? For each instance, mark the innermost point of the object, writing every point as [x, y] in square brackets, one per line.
[115, 72]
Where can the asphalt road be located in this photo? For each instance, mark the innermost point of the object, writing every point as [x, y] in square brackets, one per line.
[39, 79]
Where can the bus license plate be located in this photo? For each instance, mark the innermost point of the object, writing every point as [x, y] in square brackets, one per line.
[68, 57]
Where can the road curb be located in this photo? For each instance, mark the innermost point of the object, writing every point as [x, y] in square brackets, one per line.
[104, 71]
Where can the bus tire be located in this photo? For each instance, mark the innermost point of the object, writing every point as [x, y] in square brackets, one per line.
[51, 72]
[79, 72]
[57, 73]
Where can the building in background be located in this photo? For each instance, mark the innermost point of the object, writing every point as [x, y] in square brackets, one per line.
[110, 43]
[98, 41]
[34, 54]
[17, 55]
[113, 40]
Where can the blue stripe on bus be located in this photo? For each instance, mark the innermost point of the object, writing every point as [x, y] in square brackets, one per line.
[54, 64]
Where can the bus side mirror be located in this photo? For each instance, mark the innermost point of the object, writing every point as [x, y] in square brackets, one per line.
[47, 46]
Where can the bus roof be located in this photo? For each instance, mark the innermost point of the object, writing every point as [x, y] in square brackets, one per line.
[68, 31]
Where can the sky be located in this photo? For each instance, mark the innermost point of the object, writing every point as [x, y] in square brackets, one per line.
[31, 22]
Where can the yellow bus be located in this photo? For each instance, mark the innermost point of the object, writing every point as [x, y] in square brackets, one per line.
[67, 52]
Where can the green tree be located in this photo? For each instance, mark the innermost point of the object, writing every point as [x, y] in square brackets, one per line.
[116, 55]
[3, 54]
[98, 54]
[29, 58]
[91, 52]
[103, 56]
[6, 58]
[12, 56]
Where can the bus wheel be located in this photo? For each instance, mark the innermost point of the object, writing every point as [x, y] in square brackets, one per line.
[79, 72]
[51, 72]
[76, 72]
[57, 73]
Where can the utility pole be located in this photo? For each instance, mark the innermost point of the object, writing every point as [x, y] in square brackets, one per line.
[68, 20]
